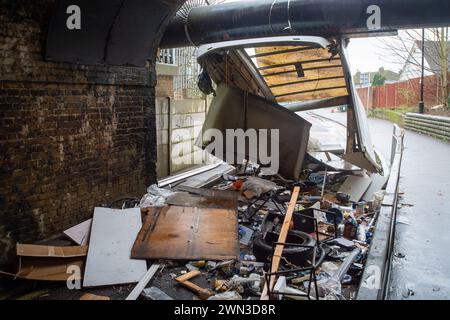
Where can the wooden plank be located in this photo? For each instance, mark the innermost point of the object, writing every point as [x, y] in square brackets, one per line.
[90, 296]
[201, 292]
[31, 250]
[188, 233]
[112, 236]
[143, 282]
[188, 276]
[281, 239]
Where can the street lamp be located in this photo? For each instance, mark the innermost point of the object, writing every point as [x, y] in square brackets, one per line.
[421, 102]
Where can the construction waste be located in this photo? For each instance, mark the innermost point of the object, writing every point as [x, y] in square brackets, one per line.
[249, 236]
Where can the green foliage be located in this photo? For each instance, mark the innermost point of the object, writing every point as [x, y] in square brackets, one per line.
[378, 80]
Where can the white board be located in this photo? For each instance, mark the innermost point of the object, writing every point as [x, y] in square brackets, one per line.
[355, 187]
[108, 262]
[80, 233]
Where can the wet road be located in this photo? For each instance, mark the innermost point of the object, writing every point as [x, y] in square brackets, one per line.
[421, 266]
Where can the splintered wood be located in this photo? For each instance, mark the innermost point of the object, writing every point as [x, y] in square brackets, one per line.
[281, 240]
[188, 233]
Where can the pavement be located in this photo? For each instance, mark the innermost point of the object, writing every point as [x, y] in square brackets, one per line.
[421, 264]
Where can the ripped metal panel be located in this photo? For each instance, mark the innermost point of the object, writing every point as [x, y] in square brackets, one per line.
[234, 109]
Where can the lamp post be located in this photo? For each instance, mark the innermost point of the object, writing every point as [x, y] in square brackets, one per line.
[421, 102]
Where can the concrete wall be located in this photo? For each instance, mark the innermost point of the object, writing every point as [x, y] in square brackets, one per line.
[71, 136]
[185, 123]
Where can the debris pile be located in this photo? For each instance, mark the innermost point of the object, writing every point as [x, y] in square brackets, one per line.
[250, 236]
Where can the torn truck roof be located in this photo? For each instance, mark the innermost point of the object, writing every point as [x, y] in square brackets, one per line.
[304, 72]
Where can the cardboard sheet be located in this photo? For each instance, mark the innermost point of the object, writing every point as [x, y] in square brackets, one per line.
[31, 250]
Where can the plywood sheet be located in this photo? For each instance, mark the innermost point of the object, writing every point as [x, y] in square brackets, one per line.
[112, 236]
[188, 233]
[323, 73]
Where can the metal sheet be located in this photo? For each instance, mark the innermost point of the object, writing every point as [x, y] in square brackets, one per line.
[188, 233]
[355, 187]
[112, 236]
[227, 111]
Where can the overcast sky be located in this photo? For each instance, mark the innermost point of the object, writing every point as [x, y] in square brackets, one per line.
[367, 55]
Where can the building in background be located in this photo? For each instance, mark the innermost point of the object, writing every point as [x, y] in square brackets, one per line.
[364, 79]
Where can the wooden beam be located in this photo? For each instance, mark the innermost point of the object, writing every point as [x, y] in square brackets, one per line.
[309, 91]
[305, 69]
[143, 282]
[201, 292]
[281, 239]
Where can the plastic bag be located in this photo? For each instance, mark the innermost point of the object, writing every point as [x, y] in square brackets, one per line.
[155, 197]
[258, 186]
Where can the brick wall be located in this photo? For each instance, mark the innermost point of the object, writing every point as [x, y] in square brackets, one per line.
[72, 136]
[165, 86]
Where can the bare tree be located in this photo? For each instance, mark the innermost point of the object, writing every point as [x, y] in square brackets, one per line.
[406, 47]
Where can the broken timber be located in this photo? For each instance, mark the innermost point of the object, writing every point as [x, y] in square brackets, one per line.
[201, 292]
[143, 282]
[280, 246]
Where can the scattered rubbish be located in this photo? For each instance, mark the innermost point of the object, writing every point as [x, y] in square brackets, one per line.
[329, 267]
[282, 290]
[230, 295]
[188, 233]
[407, 292]
[256, 186]
[190, 267]
[90, 296]
[154, 293]
[155, 197]
[245, 235]
[342, 197]
[342, 242]
[228, 234]
[80, 233]
[112, 236]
